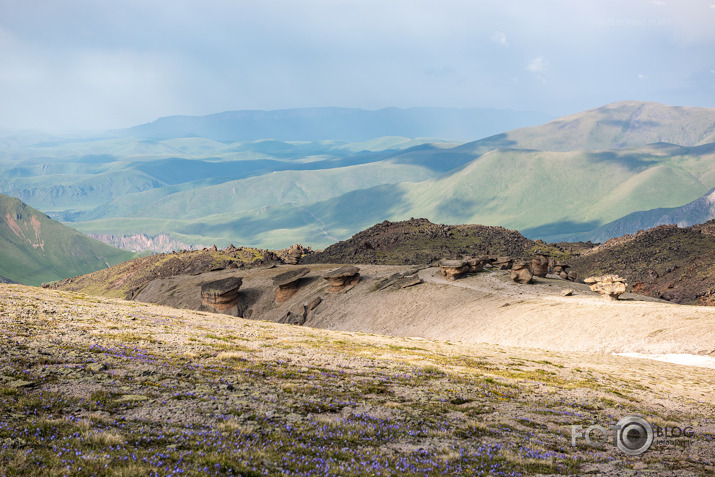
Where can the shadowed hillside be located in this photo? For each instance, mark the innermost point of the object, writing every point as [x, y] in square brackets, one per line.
[676, 264]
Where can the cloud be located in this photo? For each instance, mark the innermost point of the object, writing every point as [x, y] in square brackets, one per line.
[87, 64]
[499, 38]
[538, 65]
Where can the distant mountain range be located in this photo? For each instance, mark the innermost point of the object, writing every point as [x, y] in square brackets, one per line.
[36, 249]
[347, 124]
[588, 176]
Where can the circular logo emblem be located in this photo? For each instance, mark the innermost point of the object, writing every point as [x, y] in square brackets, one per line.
[634, 435]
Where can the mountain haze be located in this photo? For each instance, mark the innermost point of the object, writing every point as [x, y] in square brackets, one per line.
[314, 124]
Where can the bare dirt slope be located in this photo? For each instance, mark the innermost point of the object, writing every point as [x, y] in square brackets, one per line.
[484, 307]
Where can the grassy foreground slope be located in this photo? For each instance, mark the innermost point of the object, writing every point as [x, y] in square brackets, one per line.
[96, 386]
[36, 249]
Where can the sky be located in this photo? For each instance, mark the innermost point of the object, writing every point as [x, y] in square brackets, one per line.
[90, 65]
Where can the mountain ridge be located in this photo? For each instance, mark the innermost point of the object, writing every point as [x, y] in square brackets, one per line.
[351, 124]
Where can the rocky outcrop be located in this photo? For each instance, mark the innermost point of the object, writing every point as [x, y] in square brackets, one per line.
[342, 278]
[288, 283]
[521, 273]
[161, 243]
[540, 264]
[476, 264]
[503, 263]
[295, 253]
[221, 296]
[561, 270]
[609, 286]
[453, 269]
[400, 280]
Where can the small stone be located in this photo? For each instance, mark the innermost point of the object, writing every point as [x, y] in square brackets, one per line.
[20, 384]
[132, 398]
[567, 292]
[95, 367]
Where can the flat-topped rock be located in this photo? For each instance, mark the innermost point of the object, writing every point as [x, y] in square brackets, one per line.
[342, 278]
[288, 283]
[346, 271]
[453, 269]
[561, 269]
[221, 296]
[609, 287]
[476, 264]
[503, 263]
[290, 276]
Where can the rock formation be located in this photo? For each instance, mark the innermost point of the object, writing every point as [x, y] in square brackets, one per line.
[342, 278]
[295, 253]
[540, 264]
[521, 273]
[453, 269]
[221, 296]
[476, 264]
[288, 283]
[561, 270]
[408, 281]
[503, 263]
[609, 286]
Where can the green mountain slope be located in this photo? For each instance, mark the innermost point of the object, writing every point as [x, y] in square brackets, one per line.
[543, 194]
[36, 249]
[561, 180]
[626, 124]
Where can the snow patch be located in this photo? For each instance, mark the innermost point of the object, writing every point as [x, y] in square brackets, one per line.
[684, 359]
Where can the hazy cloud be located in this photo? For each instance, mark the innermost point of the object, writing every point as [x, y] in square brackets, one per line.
[500, 39]
[81, 64]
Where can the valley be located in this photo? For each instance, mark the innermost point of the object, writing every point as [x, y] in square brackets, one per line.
[589, 176]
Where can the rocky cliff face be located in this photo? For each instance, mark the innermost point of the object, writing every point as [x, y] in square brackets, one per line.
[162, 243]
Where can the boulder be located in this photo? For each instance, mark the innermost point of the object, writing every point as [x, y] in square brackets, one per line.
[561, 267]
[342, 278]
[540, 265]
[521, 273]
[221, 296]
[314, 304]
[609, 286]
[453, 269]
[409, 281]
[288, 283]
[476, 264]
[503, 263]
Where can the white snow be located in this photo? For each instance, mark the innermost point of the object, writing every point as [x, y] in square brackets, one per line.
[684, 359]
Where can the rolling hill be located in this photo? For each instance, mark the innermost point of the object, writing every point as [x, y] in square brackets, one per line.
[36, 249]
[573, 178]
